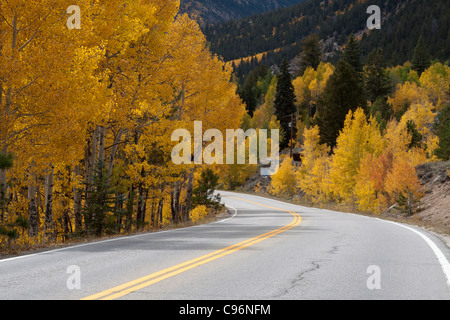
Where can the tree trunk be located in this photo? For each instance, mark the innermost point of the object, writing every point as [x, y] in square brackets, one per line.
[129, 211]
[66, 223]
[77, 204]
[152, 213]
[160, 212]
[410, 203]
[3, 186]
[174, 201]
[114, 152]
[189, 190]
[48, 225]
[144, 205]
[101, 143]
[33, 212]
[2, 195]
[90, 161]
[119, 208]
[140, 208]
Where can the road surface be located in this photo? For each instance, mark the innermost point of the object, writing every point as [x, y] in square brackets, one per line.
[265, 250]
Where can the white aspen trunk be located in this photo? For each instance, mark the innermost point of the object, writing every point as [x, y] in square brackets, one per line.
[101, 143]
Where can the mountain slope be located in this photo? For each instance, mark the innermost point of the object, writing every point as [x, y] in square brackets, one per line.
[279, 33]
[213, 11]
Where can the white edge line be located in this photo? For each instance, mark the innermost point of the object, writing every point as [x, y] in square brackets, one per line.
[439, 254]
[234, 215]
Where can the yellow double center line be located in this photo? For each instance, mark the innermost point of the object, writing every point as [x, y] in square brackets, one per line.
[153, 278]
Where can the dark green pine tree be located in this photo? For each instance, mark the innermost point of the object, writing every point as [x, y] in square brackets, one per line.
[416, 136]
[6, 161]
[311, 53]
[442, 130]
[204, 193]
[421, 58]
[285, 102]
[100, 200]
[352, 54]
[376, 79]
[343, 92]
[250, 92]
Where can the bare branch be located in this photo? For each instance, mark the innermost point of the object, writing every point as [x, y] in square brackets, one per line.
[35, 32]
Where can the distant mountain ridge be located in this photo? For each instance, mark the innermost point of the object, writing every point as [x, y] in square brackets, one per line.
[275, 35]
[216, 11]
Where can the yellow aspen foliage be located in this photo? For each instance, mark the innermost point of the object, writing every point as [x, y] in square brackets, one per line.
[397, 139]
[166, 214]
[313, 173]
[405, 73]
[301, 85]
[110, 94]
[403, 183]
[317, 86]
[390, 177]
[423, 116]
[436, 82]
[284, 182]
[405, 95]
[198, 213]
[370, 180]
[311, 85]
[358, 138]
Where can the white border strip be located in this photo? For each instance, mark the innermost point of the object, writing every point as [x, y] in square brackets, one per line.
[234, 215]
[441, 257]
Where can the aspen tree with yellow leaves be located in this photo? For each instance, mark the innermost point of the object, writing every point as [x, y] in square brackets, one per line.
[313, 174]
[284, 182]
[87, 115]
[358, 138]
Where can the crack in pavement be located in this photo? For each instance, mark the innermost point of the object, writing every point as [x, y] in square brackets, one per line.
[334, 250]
[298, 278]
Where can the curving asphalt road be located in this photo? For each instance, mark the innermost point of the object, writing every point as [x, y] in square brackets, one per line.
[266, 250]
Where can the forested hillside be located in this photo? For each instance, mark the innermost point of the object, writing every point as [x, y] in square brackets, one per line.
[278, 34]
[211, 11]
[361, 129]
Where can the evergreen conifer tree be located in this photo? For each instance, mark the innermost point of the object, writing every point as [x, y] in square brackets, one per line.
[311, 53]
[442, 130]
[344, 92]
[376, 79]
[6, 161]
[204, 193]
[421, 59]
[285, 102]
[352, 54]
[100, 200]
